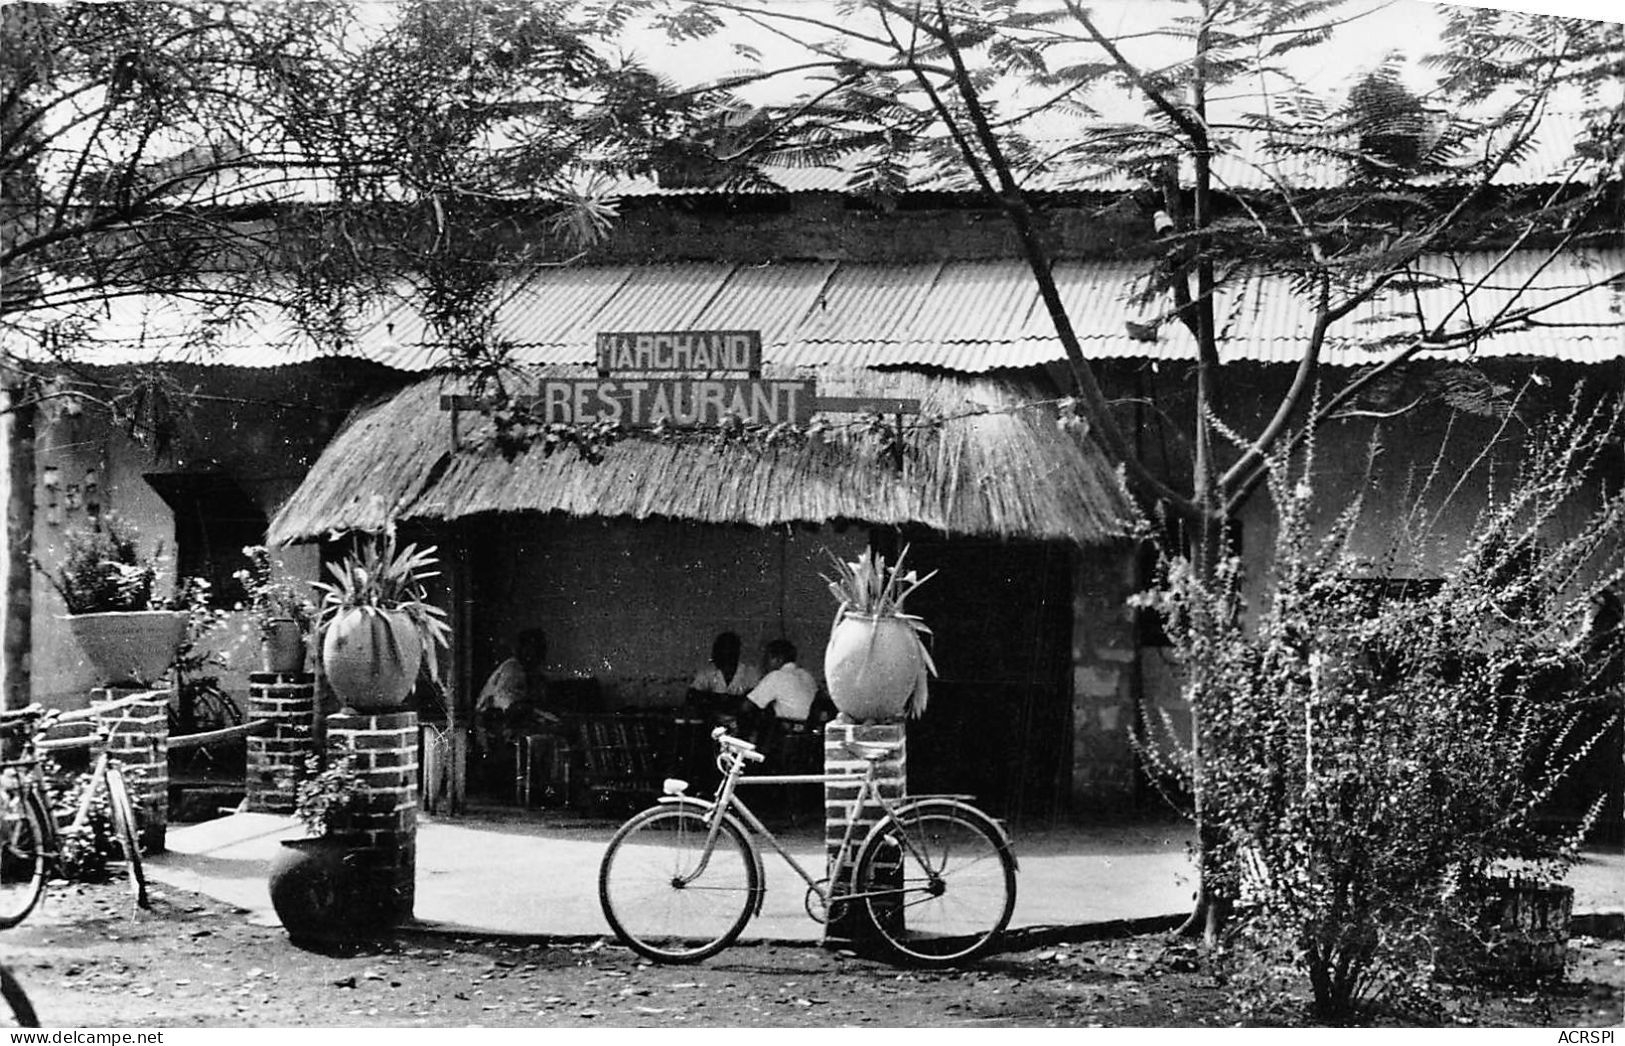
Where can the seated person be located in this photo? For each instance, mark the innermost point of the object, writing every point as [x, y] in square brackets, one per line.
[512, 705]
[723, 678]
[787, 688]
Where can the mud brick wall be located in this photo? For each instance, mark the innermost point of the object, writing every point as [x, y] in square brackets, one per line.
[276, 760]
[849, 924]
[137, 738]
[383, 830]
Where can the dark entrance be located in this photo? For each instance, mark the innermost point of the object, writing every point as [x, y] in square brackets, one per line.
[999, 725]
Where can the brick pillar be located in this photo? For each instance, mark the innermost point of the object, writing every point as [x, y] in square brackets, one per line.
[137, 738]
[276, 760]
[849, 924]
[383, 833]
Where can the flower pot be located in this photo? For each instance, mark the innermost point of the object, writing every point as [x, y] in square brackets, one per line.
[371, 658]
[872, 666]
[282, 647]
[129, 646]
[320, 892]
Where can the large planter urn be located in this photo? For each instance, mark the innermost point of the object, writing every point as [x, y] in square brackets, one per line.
[320, 892]
[282, 647]
[129, 646]
[371, 658]
[872, 666]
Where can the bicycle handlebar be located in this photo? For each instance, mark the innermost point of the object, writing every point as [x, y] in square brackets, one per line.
[744, 749]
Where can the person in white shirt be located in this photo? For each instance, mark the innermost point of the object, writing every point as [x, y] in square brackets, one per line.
[723, 676]
[787, 688]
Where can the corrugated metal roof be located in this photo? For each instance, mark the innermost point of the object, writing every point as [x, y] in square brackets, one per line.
[1247, 160]
[969, 317]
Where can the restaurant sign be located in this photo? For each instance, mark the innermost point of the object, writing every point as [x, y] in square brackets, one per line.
[689, 378]
[681, 378]
[695, 353]
[638, 402]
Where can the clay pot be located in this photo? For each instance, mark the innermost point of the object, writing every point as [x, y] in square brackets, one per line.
[872, 665]
[321, 894]
[282, 647]
[129, 646]
[371, 658]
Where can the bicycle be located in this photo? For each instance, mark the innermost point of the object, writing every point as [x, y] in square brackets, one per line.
[936, 877]
[30, 837]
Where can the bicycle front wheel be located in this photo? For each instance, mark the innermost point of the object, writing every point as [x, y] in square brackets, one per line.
[124, 829]
[666, 896]
[23, 855]
[939, 882]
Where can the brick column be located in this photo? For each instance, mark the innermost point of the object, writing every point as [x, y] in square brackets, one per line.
[276, 760]
[849, 924]
[383, 833]
[137, 738]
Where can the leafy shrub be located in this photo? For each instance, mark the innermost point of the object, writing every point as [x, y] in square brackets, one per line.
[1371, 750]
[87, 851]
[329, 790]
[103, 569]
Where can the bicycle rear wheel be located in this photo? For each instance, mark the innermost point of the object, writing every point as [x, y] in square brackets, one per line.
[23, 856]
[941, 882]
[124, 829]
[665, 897]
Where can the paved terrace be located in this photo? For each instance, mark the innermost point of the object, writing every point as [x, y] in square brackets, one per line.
[538, 875]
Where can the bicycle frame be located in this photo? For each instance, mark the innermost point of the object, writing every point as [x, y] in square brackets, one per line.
[727, 802]
[31, 775]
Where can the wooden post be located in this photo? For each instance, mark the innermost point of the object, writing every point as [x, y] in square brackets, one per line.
[17, 625]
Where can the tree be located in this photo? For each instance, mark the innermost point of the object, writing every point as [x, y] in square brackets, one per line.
[312, 158]
[996, 92]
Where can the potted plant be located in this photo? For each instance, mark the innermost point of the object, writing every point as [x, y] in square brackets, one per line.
[876, 665]
[315, 882]
[280, 610]
[376, 624]
[107, 586]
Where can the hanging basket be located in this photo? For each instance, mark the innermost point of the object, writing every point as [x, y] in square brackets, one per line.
[371, 658]
[129, 647]
[875, 667]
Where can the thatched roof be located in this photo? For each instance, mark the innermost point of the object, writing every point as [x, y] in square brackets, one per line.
[998, 463]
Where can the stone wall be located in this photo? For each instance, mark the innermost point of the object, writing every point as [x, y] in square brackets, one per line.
[1105, 682]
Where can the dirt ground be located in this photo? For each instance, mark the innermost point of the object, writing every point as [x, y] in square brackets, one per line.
[86, 960]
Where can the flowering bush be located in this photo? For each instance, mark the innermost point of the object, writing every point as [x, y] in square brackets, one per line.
[1372, 749]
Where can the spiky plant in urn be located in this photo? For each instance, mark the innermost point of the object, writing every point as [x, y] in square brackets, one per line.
[376, 625]
[876, 665]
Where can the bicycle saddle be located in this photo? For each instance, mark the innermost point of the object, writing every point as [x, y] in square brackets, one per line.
[870, 750]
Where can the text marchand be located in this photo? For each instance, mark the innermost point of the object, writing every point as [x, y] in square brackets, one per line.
[639, 401]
